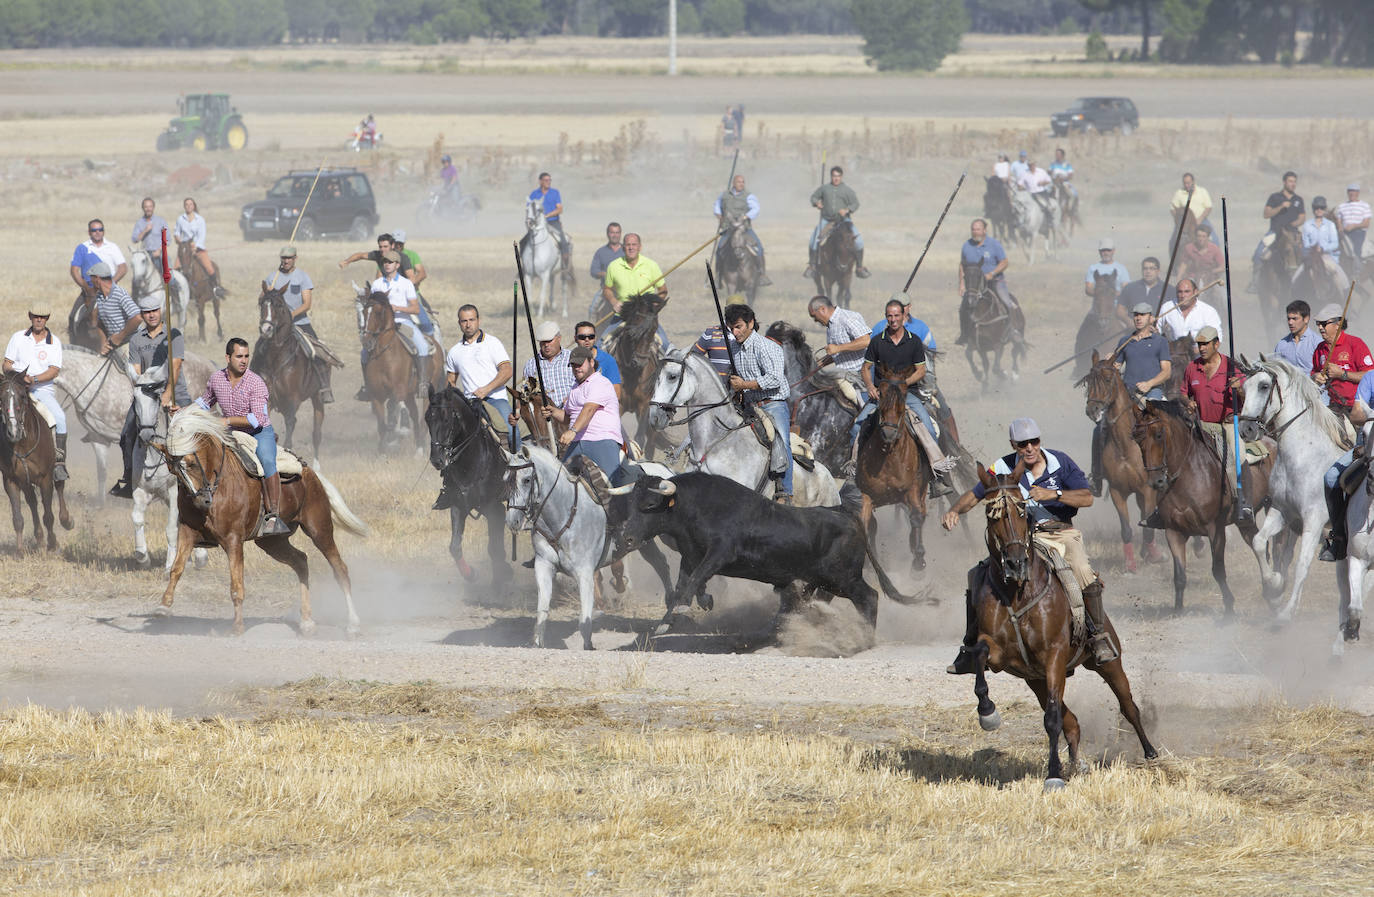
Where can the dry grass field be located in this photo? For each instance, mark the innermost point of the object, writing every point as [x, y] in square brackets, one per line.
[435, 756]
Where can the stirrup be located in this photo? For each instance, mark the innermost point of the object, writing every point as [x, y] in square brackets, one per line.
[1103, 649]
[963, 662]
[443, 502]
[1332, 550]
[273, 525]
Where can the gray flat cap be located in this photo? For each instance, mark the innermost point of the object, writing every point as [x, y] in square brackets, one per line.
[1023, 428]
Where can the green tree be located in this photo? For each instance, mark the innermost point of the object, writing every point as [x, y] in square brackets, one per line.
[513, 18]
[723, 17]
[328, 19]
[1183, 21]
[1144, 7]
[459, 20]
[908, 34]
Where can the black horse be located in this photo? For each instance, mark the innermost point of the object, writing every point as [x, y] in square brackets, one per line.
[473, 466]
[821, 417]
[635, 348]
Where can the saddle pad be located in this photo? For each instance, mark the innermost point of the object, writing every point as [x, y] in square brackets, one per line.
[496, 419]
[598, 484]
[764, 428]
[43, 412]
[1054, 555]
[1255, 452]
[914, 424]
[246, 447]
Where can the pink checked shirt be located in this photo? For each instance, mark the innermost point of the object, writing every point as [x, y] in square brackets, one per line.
[605, 423]
[249, 399]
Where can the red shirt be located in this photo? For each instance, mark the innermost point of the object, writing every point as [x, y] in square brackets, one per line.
[1215, 402]
[1349, 354]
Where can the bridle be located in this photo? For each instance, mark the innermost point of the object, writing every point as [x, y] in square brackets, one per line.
[891, 430]
[1162, 467]
[14, 400]
[1002, 501]
[204, 494]
[450, 451]
[670, 407]
[1265, 420]
[369, 337]
[534, 512]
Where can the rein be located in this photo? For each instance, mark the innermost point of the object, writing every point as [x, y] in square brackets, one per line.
[1269, 424]
[35, 433]
[534, 513]
[207, 489]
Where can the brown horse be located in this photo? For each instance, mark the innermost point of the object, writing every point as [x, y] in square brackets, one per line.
[82, 327]
[27, 456]
[1068, 209]
[202, 286]
[836, 257]
[1274, 279]
[738, 269]
[1101, 328]
[1110, 402]
[1189, 480]
[390, 374]
[991, 329]
[281, 360]
[220, 503]
[637, 353]
[891, 467]
[1024, 625]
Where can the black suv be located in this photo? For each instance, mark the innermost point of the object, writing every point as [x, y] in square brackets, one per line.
[342, 205]
[1101, 114]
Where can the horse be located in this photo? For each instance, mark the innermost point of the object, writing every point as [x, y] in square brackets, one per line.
[836, 257]
[83, 327]
[145, 279]
[1189, 479]
[1109, 400]
[1359, 522]
[820, 412]
[220, 503]
[1101, 328]
[390, 373]
[473, 465]
[1283, 401]
[280, 357]
[997, 209]
[540, 256]
[201, 288]
[1068, 209]
[1025, 627]
[28, 453]
[738, 269]
[1321, 280]
[1032, 219]
[1274, 278]
[992, 329]
[152, 478]
[635, 349]
[891, 467]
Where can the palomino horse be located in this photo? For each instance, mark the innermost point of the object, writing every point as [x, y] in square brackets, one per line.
[202, 288]
[1024, 624]
[992, 329]
[540, 257]
[466, 454]
[153, 480]
[280, 357]
[1110, 401]
[390, 372]
[1189, 480]
[892, 468]
[636, 351]
[1274, 280]
[27, 457]
[145, 279]
[738, 269]
[220, 503]
[997, 209]
[721, 439]
[1284, 402]
[1101, 328]
[836, 257]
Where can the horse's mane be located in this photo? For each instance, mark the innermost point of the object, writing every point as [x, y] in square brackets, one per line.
[685, 355]
[190, 424]
[1307, 392]
[786, 334]
[1174, 408]
[638, 309]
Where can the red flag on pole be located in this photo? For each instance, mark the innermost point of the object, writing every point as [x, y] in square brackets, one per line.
[166, 265]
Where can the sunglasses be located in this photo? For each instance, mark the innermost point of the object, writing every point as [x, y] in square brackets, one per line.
[1027, 442]
[586, 336]
[96, 230]
[1332, 321]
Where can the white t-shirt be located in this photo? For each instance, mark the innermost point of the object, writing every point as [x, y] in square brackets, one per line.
[1174, 325]
[1002, 170]
[109, 254]
[476, 363]
[32, 357]
[399, 292]
[1036, 181]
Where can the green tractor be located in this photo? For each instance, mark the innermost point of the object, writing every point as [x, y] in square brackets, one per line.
[205, 121]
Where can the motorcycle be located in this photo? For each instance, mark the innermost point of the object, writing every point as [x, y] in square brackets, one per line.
[440, 204]
[363, 139]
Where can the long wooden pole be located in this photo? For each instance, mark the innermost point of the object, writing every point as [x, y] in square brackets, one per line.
[1243, 511]
[305, 205]
[936, 230]
[1164, 288]
[685, 259]
[529, 320]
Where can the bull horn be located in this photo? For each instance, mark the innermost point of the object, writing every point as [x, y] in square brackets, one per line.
[665, 487]
[621, 490]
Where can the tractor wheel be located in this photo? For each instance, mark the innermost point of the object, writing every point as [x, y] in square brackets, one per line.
[200, 142]
[235, 135]
[166, 142]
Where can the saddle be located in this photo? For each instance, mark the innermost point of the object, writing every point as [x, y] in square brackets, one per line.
[1354, 475]
[495, 420]
[1053, 554]
[766, 432]
[43, 412]
[1214, 436]
[842, 384]
[315, 349]
[409, 344]
[245, 448]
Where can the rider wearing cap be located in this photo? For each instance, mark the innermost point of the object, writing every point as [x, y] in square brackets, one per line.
[1360, 413]
[400, 292]
[1143, 359]
[1352, 218]
[37, 353]
[1340, 362]
[1106, 264]
[1209, 388]
[1054, 488]
[448, 176]
[116, 313]
[148, 349]
[591, 413]
[300, 290]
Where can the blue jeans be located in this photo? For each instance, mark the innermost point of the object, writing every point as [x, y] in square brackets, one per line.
[1333, 473]
[503, 408]
[816, 234]
[47, 394]
[782, 416]
[912, 402]
[267, 450]
[604, 453]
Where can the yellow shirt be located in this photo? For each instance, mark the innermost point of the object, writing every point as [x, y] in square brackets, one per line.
[1201, 200]
[626, 282]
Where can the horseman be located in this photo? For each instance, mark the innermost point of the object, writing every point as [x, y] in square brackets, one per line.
[37, 354]
[1002, 168]
[1018, 168]
[1336, 499]
[584, 334]
[147, 232]
[385, 243]
[1146, 290]
[1037, 182]
[1201, 260]
[930, 388]
[1187, 315]
[898, 349]
[1352, 217]
[552, 203]
[92, 252]
[148, 349]
[400, 292]
[717, 345]
[837, 202]
[1199, 207]
[448, 179]
[190, 228]
[1321, 244]
[417, 273]
[554, 367]
[299, 290]
[1061, 172]
[601, 260]
[591, 413]
[761, 380]
[734, 205]
[116, 313]
[631, 276]
[1054, 489]
[1340, 362]
[1210, 384]
[846, 337]
[1302, 340]
[987, 253]
[1143, 359]
[243, 399]
[479, 365]
[1106, 264]
[1283, 209]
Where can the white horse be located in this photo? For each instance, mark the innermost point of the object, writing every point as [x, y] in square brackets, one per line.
[1033, 220]
[152, 479]
[721, 440]
[1359, 522]
[540, 256]
[145, 279]
[1285, 402]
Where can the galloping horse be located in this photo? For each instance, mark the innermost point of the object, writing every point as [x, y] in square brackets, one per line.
[1068, 209]
[992, 329]
[472, 465]
[634, 348]
[1274, 280]
[892, 468]
[738, 270]
[220, 503]
[836, 257]
[202, 288]
[83, 329]
[1101, 328]
[997, 209]
[1321, 281]
[280, 357]
[1189, 480]
[27, 457]
[1032, 220]
[145, 279]
[390, 373]
[1110, 401]
[540, 257]
[153, 480]
[1025, 627]
[819, 412]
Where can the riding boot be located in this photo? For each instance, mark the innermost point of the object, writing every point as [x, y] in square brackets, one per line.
[444, 501]
[939, 485]
[764, 279]
[125, 487]
[1099, 441]
[59, 469]
[1098, 639]
[325, 393]
[859, 269]
[810, 264]
[965, 324]
[272, 524]
[215, 287]
[963, 661]
[421, 378]
[1334, 547]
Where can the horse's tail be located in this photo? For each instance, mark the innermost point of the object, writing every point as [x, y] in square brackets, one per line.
[339, 510]
[889, 589]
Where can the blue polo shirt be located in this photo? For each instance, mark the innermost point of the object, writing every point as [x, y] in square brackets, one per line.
[551, 201]
[914, 326]
[606, 364]
[1299, 352]
[1123, 276]
[85, 259]
[1144, 359]
[986, 255]
[1060, 473]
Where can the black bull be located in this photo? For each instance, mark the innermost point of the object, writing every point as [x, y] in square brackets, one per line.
[721, 527]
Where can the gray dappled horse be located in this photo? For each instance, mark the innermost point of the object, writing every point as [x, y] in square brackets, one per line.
[152, 480]
[738, 269]
[540, 256]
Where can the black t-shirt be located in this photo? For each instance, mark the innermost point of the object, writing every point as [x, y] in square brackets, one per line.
[1288, 215]
[376, 256]
[906, 354]
[1136, 291]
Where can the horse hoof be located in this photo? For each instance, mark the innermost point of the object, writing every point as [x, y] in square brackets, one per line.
[353, 632]
[1350, 632]
[706, 601]
[1055, 785]
[307, 627]
[1284, 616]
[465, 570]
[621, 584]
[991, 722]
[663, 628]
[142, 560]
[162, 610]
